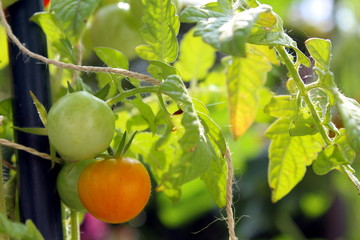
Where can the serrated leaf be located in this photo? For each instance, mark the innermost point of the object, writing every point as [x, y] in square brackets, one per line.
[215, 181]
[160, 70]
[197, 150]
[245, 76]
[344, 146]
[40, 109]
[320, 51]
[195, 59]
[200, 107]
[303, 124]
[349, 110]
[289, 157]
[55, 35]
[73, 15]
[27, 231]
[160, 28]
[214, 132]
[37, 131]
[282, 106]
[328, 159]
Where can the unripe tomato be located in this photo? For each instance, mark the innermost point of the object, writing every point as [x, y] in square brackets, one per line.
[114, 190]
[80, 126]
[67, 184]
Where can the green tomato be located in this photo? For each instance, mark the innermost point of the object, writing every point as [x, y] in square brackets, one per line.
[67, 184]
[80, 126]
[115, 26]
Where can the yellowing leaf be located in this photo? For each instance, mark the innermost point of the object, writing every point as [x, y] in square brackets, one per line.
[245, 76]
[289, 157]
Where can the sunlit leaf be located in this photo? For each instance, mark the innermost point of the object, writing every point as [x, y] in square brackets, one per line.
[320, 51]
[160, 27]
[40, 109]
[289, 157]
[303, 124]
[160, 70]
[73, 15]
[282, 106]
[245, 76]
[55, 35]
[215, 179]
[328, 159]
[195, 59]
[350, 114]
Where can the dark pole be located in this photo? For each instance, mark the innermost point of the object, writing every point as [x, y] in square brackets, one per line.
[37, 192]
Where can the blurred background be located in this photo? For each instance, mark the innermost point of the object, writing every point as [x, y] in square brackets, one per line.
[320, 207]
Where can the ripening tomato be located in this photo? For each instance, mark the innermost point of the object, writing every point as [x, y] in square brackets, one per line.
[67, 184]
[80, 126]
[46, 3]
[114, 190]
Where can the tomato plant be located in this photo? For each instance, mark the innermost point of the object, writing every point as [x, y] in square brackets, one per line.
[184, 133]
[67, 182]
[114, 190]
[80, 126]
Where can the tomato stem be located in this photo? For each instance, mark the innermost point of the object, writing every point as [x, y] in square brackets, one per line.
[75, 228]
[123, 95]
[304, 93]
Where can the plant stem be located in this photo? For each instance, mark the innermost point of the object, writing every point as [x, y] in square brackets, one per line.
[132, 92]
[74, 221]
[304, 93]
[350, 173]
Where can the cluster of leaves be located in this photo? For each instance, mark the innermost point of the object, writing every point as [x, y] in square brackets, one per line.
[177, 137]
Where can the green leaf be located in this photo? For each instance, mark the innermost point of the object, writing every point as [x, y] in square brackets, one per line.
[197, 150]
[215, 180]
[195, 59]
[115, 59]
[40, 109]
[103, 92]
[160, 27]
[349, 110]
[27, 231]
[73, 16]
[343, 143]
[245, 76]
[55, 35]
[37, 131]
[282, 106]
[320, 51]
[328, 159]
[146, 112]
[289, 157]
[160, 70]
[303, 124]
[112, 57]
[213, 131]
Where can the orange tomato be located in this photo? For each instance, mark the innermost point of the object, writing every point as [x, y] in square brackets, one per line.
[114, 190]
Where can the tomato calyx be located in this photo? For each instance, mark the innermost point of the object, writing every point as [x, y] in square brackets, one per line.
[122, 147]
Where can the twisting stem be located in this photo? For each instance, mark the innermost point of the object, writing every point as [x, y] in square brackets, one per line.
[304, 93]
[132, 92]
[229, 196]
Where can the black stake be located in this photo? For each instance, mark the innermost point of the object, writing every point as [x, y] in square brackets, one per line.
[37, 193]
